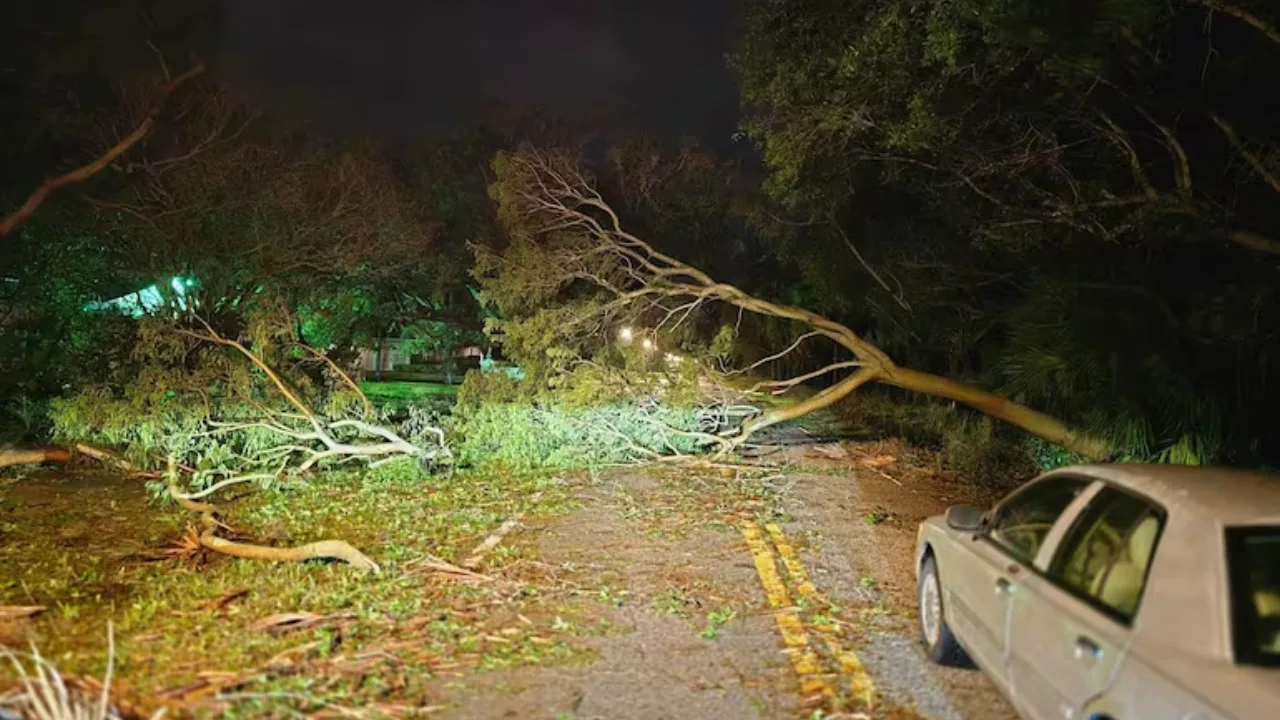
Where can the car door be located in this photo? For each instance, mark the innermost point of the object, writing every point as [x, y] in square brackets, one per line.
[1070, 625]
[978, 587]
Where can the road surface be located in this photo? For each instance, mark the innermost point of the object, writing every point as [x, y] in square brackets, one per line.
[730, 593]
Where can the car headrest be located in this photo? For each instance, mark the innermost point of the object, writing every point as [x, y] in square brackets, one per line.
[1142, 541]
[1267, 603]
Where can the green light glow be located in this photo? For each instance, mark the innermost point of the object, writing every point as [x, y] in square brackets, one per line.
[148, 300]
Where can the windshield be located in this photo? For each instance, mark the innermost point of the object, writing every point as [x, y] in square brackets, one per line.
[1254, 560]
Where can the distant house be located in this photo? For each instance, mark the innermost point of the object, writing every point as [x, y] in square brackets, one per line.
[394, 358]
[389, 353]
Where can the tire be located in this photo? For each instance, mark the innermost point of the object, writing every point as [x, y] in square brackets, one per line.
[939, 643]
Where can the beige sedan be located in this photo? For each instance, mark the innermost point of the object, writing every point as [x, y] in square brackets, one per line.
[1121, 592]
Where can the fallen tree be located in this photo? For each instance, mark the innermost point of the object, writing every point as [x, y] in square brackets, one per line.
[565, 234]
[208, 411]
[207, 536]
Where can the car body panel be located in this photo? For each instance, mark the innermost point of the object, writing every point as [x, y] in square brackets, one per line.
[980, 602]
[1065, 651]
[952, 548]
[1167, 686]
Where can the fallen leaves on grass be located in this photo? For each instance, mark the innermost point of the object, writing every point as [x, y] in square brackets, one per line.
[206, 683]
[443, 567]
[186, 548]
[833, 451]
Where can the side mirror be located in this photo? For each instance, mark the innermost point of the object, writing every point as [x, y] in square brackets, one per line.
[966, 518]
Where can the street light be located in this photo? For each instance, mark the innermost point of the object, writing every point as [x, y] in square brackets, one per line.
[626, 335]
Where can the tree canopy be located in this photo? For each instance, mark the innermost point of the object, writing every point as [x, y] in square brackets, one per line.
[1073, 202]
[1067, 205]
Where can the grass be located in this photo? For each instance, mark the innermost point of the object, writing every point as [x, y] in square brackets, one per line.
[401, 391]
[385, 636]
[715, 620]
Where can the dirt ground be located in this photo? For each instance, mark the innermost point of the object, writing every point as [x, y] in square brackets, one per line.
[652, 598]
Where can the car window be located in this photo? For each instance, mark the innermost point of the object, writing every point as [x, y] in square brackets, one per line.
[1254, 562]
[1022, 522]
[1105, 556]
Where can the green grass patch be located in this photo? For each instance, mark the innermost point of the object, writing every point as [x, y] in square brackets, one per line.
[389, 636]
[377, 391]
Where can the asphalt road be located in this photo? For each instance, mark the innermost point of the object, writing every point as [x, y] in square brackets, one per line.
[742, 595]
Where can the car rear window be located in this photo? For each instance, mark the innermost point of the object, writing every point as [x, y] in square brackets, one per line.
[1254, 561]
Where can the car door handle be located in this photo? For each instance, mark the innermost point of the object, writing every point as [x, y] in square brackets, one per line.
[1087, 649]
[1004, 587]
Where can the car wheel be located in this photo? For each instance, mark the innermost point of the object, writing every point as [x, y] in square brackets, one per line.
[939, 644]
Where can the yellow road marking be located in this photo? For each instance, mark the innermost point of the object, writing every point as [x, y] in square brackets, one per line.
[794, 637]
[859, 681]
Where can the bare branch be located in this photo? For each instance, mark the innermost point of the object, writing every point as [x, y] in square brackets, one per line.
[1266, 28]
[1254, 241]
[223, 484]
[1182, 175]
[784, 385]
[777, 355]
[1121, 138]
[1254, 161]
[897, 297]
[80, 174]
[368, 406]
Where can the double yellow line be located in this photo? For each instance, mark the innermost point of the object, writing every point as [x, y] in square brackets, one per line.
[800, 647]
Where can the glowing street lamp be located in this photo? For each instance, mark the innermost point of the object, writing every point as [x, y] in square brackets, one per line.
[626, 335]
[647, 345]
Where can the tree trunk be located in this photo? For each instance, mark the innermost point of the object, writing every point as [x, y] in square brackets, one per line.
[1034, 422]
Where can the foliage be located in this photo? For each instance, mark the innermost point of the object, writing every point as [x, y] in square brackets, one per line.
[526, 436]
[594, 415]
[1072, 198]
[601, 385]
[400, 513]
[198, 400]
[1122, 370]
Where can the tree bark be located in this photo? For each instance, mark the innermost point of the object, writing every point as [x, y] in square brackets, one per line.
[1254, 241]
[322, 550]
[1034, 422]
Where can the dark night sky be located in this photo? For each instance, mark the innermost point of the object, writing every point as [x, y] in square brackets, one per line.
[406, 69]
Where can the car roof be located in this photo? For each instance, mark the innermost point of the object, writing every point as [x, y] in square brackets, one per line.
[1225, 496]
